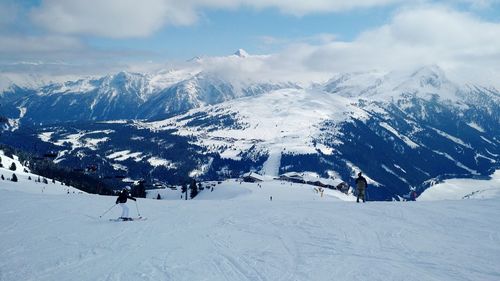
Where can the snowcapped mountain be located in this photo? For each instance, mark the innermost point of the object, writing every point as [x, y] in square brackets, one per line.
[31, 79]
[404, 130]
[200, 90]
[126, 95]
[241, 53]
[400, 130]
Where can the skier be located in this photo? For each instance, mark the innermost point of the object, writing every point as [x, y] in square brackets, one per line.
[361, 185]
[122, 199]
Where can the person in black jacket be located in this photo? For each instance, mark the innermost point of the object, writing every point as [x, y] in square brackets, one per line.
[122, 199]
[361, 185]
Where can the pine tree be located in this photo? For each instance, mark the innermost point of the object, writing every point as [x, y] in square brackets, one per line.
[1, 165]
[13, 166]
[158, 197]
[3, 178]
[45, 181]
[29, 177]
[14, 178]
[193, 188]
[53, 181]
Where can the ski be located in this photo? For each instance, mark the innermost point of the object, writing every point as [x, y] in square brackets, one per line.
[130, 219]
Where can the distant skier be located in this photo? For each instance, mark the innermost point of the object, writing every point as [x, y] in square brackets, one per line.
[122, 199]
[361, 185]
[413, 195]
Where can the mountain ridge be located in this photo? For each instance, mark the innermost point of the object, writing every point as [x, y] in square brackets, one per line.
[402, 129]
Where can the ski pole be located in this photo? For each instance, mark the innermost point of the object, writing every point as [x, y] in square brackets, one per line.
[136, 206]
[107, 211]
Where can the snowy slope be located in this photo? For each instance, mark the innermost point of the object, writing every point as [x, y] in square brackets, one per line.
[285, 119]
[47, 237]
[29, 182]
[293, 120]
[8, 161]
[456, 189]
[261, 191]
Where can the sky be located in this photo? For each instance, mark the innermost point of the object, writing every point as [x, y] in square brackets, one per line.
[314, 38]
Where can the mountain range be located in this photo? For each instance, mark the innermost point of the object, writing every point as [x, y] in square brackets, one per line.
[404, 130]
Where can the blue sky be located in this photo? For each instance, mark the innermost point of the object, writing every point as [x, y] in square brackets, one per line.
[95, 36]
[223, 32]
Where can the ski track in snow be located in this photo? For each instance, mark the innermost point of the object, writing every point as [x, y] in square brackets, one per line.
[272, 165]
[59, 237]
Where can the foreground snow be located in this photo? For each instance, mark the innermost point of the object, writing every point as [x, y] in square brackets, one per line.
[60, 237]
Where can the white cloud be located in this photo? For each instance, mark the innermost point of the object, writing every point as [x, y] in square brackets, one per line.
[480, 4]
[299, 7]
[429, 35]
[110, 18]
[131, 18]
[25, 45]
[459, 42]
[462, 44]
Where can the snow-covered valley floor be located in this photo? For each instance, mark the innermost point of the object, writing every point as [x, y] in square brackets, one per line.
[60, 237]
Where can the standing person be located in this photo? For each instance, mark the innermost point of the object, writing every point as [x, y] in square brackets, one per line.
[413, 195]
[361, 185]
[122, 199]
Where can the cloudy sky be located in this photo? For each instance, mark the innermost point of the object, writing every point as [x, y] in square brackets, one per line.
[302, 38]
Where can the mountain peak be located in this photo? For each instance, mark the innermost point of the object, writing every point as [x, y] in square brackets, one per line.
[122, 74]
[241, 53]
[194, 59]
[431, 75]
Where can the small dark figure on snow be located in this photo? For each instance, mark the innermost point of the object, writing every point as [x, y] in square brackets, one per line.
[413, 195]
[361, 185]
[122, 199]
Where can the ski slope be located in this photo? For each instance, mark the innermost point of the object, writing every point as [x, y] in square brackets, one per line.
[234, 189]
[245, 236]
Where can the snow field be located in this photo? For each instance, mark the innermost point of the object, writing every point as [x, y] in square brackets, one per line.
[24, 184]
[7, 161]
[237, 233]
[456, 189]
[263, 191]
[47, 237]
[289, 120]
